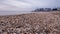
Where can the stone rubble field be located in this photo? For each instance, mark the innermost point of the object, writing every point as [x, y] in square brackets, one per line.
[32, 23]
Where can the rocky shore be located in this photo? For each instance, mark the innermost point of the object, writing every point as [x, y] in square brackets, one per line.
[33, 23]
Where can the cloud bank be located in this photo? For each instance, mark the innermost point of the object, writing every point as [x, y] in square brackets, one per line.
[27, 5]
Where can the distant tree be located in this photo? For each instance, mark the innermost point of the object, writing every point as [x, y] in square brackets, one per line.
[54, 9]
[41, 9]
[38, 10]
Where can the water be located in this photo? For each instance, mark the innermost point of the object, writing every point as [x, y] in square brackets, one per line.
[3, 13]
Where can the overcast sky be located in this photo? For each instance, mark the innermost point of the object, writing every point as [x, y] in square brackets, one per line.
[27, 5]
[22, 5]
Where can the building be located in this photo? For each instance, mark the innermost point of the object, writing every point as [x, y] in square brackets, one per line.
[47, 9]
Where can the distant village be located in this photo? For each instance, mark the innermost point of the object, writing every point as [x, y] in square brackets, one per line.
[46, 9]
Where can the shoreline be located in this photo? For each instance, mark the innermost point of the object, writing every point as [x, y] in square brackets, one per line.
[20, 13]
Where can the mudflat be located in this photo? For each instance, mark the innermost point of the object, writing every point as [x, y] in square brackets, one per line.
[32, 23]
